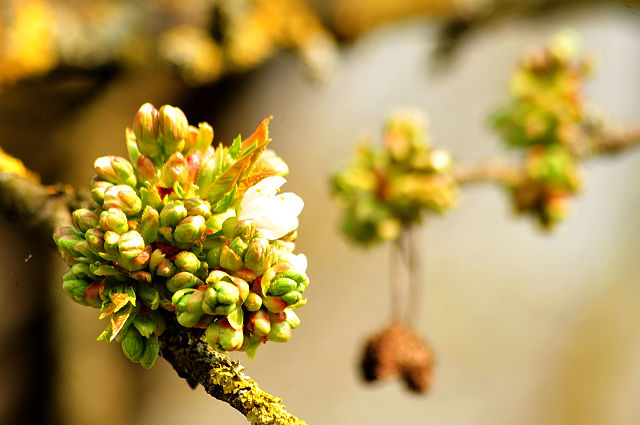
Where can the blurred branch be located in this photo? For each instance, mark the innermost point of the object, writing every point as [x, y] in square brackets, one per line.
[477, 14]
[602, 141]
[203, 41]
[45, 208]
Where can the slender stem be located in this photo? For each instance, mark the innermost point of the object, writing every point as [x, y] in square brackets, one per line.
[415, 278]
[394, 286]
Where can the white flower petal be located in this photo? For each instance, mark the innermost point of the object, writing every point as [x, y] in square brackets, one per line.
[299, 262]
[274, 215]
[291, 202]
[265, 187]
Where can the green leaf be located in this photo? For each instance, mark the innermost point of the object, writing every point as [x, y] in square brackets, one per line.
[236, 318]
[252, 347]
[251, 149]
[131, 292]
[106, 334]
[234, 150]
[225, 203]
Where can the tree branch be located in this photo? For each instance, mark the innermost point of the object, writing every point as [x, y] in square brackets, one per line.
[601, 141]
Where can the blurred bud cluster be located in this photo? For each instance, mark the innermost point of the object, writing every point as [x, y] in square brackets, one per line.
[202, 40]
[546, 118]
[385, 191]
[187, 228]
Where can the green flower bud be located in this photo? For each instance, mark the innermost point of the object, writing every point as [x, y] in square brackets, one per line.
[189, 230]
[150, 195]
[149, 296]
[172, 214]
[292, 318]
[157, 257]
[243, 287]
[222, 336]
[145, 128]
[95, 239]
[76, 289]
[188, 320]
[205, 137]
[161, 322]
[142, 276]
[190, 141]
[196, 206]
[133, 345]
[122, 197]
[166, 269]
[66, 238]
[131, 244]
[238, 246]
[149, 225]
[183, 280]
[146, 170]
[193, 303]
[187, 262]
[114, 220]
[116, 170]
[97, 190]
[216, 276]
[214, 249]
[173, 128]
[228, 225]
[292, 298]
[79, 271]
[132, 145]
[92, 295]
[258, 256]
[145, 325]
[270, 164]
[179, 298]
[253, 302]
[222, 297]
[137, 263]
[274, 304]
[85, 250]
[280, 329]
[259, 323]
[84, 219]
[282, 286]
[151, 351]
[244, 230]
[299, 304]
[111, 243]
[229, 259]
[176, 170]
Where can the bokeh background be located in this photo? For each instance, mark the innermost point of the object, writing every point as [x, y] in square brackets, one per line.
[527, 327]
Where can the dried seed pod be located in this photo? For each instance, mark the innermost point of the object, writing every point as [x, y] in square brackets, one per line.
[398, 351]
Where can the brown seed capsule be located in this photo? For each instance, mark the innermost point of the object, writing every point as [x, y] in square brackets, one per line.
[397, 350]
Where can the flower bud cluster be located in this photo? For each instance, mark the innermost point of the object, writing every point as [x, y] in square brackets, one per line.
[546, 118]
[187, 229]
[383, 191]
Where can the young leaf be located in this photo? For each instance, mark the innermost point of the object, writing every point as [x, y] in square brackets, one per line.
[224, 204]
[234, 150]
[235, 319]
